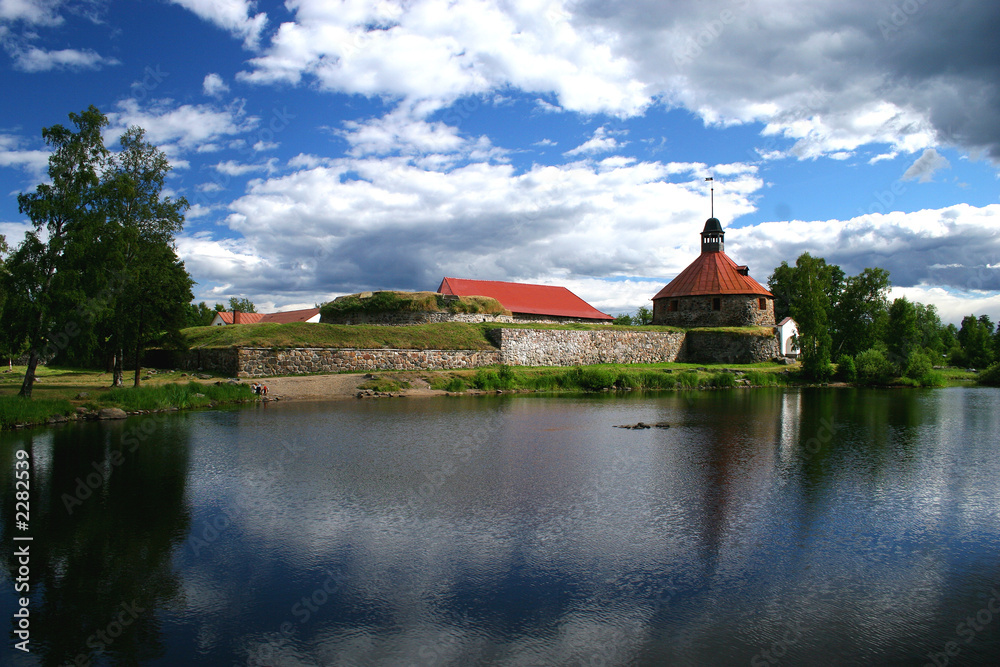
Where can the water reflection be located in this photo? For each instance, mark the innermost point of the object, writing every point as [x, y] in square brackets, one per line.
[830, 526]
[106, 519]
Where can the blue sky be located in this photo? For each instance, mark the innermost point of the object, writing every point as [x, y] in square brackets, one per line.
[328, 147]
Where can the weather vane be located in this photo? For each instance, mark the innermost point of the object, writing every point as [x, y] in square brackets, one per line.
[712, 194]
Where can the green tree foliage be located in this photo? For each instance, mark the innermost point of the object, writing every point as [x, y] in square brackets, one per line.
[38, 268]
[809, 289]
[201, 315]
[933, 334]
[642, 317]
[906, 337]
[846, 370]
[976, 341]
[105, 280]
[860, 314]
[873, 368]
[243, 304]
[139, 230]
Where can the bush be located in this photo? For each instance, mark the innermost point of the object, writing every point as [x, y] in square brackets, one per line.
[762, 379]
[456, 385]
[490, 380]
[596, 379]
[688, 380]
[872, 367]
[723, 380]
[990, 377]
[846, 370]
[918, 366]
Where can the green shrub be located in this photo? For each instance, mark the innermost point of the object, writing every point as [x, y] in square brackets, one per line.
[990, 377]
[723, 380]
[689, 380]
[544, 382]
[506, 377]
[456, 384]
[626, 380]
[918, 366]
[596, 379]
[872, 367]
[762, 379]
[846, 370]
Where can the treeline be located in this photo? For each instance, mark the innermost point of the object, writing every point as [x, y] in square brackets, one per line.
[97, 277]
[850, 320]
[201, 315]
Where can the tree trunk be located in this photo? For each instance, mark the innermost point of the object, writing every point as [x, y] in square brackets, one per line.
[138, 348]
[29, 375]
[117, 378]
[138, 366]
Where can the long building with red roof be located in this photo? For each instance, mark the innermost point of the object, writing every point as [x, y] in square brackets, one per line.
[225, 317]
[714, 291]
[529, 302]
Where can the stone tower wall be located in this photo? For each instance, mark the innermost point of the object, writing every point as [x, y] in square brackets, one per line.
[735, 310]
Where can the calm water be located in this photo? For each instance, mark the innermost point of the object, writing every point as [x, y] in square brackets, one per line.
[812, 527]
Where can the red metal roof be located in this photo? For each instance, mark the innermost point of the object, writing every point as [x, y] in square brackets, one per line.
[245, 318]
[277, 318]
[524, 298]
[711, 273]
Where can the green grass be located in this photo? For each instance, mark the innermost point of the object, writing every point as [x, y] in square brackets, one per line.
[442, 336]
[606, 377]
[394, 302]
[190, 395]
[15, 410]
[762, 379]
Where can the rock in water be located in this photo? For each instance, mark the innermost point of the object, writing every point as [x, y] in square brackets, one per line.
[111, 413]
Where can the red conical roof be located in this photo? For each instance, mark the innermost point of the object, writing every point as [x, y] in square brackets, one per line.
[712, 273]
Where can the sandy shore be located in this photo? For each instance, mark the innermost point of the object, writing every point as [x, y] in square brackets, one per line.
[329, 387]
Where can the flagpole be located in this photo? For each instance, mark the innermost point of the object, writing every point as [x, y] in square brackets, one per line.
[712, 194]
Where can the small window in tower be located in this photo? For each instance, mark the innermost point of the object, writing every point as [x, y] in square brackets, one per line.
[762, 303]
[716, 304]
[672, 307]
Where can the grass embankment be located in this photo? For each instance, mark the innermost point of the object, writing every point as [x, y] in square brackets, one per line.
[60, 391]
[412, 302]
[442, 336]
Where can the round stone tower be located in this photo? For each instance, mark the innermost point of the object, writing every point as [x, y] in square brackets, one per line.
[713, 291]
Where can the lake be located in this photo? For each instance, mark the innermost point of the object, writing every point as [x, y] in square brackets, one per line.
[763, 527]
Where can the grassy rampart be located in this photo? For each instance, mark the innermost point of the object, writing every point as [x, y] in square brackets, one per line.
[442, 336]
[396, 302]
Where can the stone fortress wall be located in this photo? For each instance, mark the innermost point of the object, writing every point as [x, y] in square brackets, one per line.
[516, 347]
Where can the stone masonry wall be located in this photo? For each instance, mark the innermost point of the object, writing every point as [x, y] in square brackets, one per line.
[517, 347]
[550, 347]
[735, 310]
[720, 347]
[221, 360]
[262, 362]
